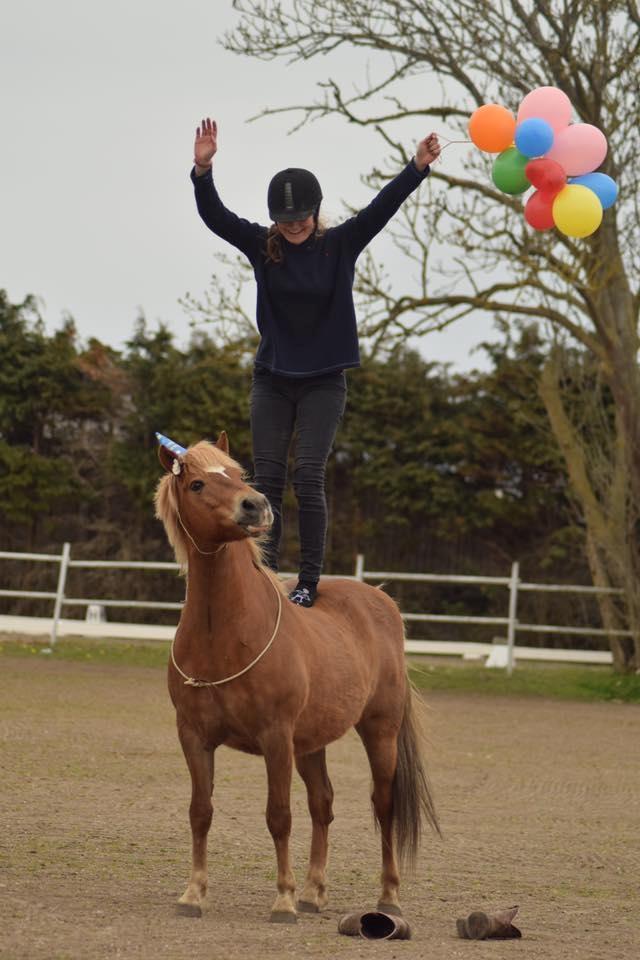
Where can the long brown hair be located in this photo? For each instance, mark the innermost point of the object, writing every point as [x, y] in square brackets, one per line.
[273, 246]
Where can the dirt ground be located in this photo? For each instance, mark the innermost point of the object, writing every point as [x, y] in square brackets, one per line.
[539, 803]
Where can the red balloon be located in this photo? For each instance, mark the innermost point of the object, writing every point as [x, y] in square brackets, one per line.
[538, 211]
[546, 175]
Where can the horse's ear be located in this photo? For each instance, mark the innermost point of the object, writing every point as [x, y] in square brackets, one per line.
[222, 443]
[169, 460]
[170, 454]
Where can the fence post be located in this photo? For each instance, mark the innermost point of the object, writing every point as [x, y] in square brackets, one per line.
[359, 567]
[62, 579]
[513, 611]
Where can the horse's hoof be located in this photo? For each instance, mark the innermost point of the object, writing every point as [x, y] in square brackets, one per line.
[393, 909]
[188, 910]
[283, 916]
[306, 906]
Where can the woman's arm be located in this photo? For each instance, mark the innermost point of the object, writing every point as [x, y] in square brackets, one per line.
[368, 222]
[247, 237]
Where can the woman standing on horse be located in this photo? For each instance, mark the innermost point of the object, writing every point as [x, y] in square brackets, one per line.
[306, 318]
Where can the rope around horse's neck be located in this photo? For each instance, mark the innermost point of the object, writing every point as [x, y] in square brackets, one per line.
[205, 553]
[192, 682]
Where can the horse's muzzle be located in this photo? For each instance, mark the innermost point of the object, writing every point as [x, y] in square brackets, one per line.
[253, 513]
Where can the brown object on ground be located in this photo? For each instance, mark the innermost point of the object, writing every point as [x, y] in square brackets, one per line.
[375, 925]
[483, 926]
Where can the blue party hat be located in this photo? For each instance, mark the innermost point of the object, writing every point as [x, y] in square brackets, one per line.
[171, 445]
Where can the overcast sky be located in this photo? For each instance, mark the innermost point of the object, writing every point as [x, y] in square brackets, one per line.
[99, 107]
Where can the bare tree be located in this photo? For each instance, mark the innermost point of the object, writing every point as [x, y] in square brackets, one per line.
[473, 52]
[224, 300]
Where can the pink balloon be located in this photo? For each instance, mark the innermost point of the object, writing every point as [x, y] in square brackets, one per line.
[547, 103]
[579, 149]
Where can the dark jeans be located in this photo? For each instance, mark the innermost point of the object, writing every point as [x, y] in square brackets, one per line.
[309, 408]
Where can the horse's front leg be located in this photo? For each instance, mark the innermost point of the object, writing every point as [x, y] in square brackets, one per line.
[277, 747]
[200, 763]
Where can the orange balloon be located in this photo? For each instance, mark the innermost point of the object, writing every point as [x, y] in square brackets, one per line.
[492, 128]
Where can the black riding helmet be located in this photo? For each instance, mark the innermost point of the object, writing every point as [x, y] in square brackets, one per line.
[294, 194]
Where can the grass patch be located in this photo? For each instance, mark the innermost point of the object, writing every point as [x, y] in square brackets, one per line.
[555, 681]
[591, 683]
[122, 652]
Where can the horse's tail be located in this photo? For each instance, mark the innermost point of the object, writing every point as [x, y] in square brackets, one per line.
[412, 800]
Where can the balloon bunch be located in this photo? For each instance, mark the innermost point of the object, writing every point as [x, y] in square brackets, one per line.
[541, 148]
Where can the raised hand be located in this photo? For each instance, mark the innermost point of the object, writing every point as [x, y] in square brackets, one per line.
[427, 151]
[206, 143]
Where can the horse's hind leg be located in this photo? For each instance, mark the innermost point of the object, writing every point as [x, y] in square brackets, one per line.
[313, 770]
[382, 751]
[200, 763]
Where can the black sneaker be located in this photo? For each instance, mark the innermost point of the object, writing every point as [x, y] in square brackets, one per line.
[303, 596]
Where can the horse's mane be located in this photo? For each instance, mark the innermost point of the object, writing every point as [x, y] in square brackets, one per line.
[201, 456]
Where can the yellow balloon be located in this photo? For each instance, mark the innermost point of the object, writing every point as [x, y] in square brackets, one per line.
[577, 211]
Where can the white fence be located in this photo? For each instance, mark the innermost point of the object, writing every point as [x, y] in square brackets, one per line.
[508, 651]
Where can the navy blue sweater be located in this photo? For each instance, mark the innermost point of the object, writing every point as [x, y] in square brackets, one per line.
[305, 311]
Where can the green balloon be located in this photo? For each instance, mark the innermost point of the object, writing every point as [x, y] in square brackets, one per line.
[508, 171]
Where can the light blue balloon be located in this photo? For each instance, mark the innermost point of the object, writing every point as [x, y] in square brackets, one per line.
[605, 189]
[534, 137]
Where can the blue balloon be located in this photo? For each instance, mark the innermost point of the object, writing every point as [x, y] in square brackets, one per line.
[605, 189]
[534, 137]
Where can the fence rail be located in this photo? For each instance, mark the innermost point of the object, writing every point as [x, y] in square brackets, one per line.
[512, 583]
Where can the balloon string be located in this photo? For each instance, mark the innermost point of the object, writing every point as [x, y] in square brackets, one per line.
[449, 142]
[454, 141]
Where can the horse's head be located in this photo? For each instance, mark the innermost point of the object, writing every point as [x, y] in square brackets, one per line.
[204, 500]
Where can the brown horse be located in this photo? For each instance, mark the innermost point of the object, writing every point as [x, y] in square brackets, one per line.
[253, 671]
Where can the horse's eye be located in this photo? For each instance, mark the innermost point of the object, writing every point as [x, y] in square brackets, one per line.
[196, 486]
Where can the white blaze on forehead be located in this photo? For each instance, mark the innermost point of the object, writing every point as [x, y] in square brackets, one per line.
[219, 469]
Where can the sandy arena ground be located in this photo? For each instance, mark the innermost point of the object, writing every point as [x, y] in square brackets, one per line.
[539, 803]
